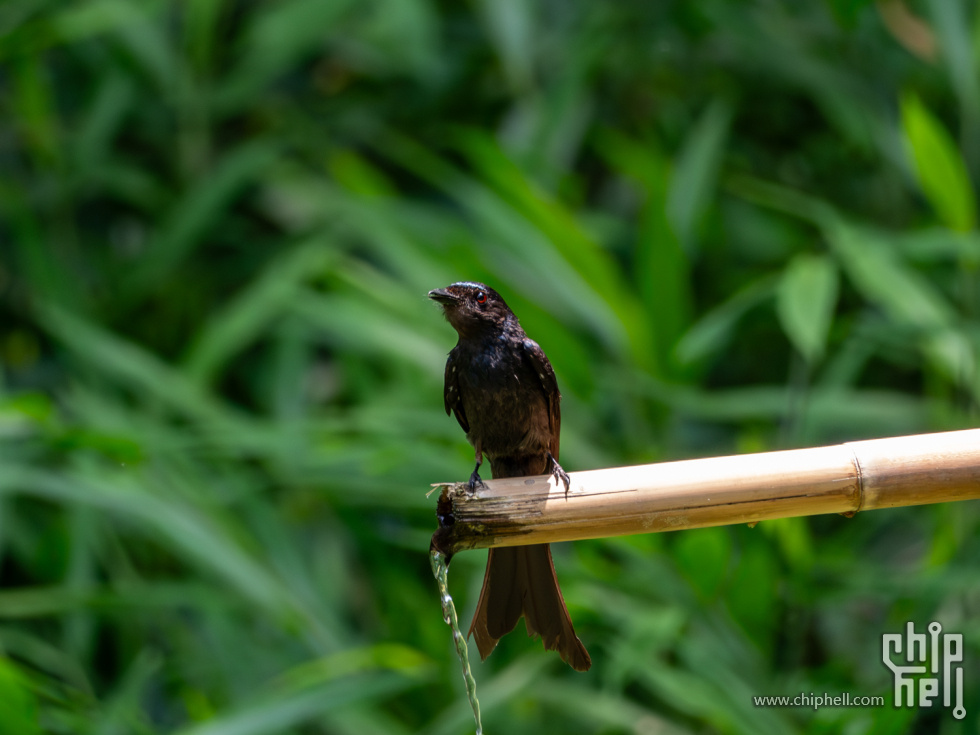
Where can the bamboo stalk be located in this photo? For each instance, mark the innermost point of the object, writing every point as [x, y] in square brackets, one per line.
[670, 496]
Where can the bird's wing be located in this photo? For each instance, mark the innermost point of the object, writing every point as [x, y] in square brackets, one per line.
[450, 392]
[549, 384]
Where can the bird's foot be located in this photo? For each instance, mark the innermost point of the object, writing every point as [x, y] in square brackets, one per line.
[560, 474]
[475, 482]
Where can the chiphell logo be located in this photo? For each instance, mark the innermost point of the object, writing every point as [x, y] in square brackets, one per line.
[929, 664]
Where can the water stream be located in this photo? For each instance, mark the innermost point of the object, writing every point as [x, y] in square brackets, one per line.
[441, 571]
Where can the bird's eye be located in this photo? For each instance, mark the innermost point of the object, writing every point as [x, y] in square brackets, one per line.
[481, 297]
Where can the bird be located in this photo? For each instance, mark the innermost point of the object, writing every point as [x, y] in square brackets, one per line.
[500, 386]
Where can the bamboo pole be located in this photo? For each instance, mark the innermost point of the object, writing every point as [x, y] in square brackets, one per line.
[670, 496]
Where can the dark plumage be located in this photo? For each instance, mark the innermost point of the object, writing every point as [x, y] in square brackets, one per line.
[502, 390]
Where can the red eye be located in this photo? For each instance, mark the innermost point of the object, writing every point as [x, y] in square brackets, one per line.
[481, 298]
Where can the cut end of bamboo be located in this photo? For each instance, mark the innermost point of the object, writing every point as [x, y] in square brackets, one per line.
[670, 496]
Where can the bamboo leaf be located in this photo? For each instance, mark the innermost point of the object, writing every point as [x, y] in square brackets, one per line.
[905, 296]
[714, 330]
[940, 169]
[805, 302]
[20, 708]
[696, 170]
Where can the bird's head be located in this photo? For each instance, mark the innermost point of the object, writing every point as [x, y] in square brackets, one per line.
[472, 308]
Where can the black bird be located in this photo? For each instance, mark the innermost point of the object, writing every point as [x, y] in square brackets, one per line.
[503, 392]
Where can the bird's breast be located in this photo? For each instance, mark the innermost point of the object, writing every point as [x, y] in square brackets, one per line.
[505, 405]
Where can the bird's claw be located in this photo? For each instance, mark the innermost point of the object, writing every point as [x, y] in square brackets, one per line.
[560, 474]
[475, 482]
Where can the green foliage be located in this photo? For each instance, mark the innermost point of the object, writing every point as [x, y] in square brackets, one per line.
[941, 171]
[19, 703]
[733, 227]
[805, 303]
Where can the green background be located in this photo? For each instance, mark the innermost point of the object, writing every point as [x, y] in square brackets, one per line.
[733, 227]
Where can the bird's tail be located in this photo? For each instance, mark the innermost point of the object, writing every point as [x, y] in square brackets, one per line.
[521, 580]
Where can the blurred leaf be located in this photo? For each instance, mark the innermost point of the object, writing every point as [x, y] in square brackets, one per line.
[147, 42]
[692, 185]
[124, 710]
[604, 709]
[234, 326]
[830, 411]
[35, 406]
[355, 174]
[35, 110]
[292, 706]
[805, 302]
[404, 40]
[191, 531]
[203, 21]
[662, 268]
[103, 120]
[19, 704]
[939, 166]
[86, 19]
[951, 21]
[122, 449]
[510, 26]
[904, 295]
[363, 327]
[703, 556]
[847, 12]
[278, 36]
[353, 661]
[136, 367]
[35, 602]
[753, 586]
[794, 538]
[198, 209]
[939, 244]
[716, 328]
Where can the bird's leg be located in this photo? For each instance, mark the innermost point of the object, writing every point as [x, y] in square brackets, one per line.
[475, 477]
[559, 473]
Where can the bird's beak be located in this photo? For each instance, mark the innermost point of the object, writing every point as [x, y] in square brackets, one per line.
[442, 296]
